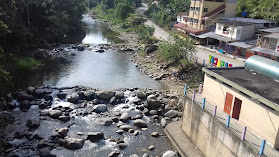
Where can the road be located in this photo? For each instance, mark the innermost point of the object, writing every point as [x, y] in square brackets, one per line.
[202, 54]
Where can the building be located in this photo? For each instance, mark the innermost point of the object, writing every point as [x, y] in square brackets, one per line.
[267, 43]
[182, 17]
[205, 13]
[249, 95]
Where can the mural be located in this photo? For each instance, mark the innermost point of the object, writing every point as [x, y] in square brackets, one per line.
[218, 62]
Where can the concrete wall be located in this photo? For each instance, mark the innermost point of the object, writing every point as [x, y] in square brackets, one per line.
[211, 136]
[231, 7]
[238, 33]
[257, 117]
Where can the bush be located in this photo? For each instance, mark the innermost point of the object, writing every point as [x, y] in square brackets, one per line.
[26, 64]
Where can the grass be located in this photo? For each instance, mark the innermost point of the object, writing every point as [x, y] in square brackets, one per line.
[26, 64]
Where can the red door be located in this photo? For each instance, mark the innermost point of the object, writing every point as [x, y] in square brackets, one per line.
[228, 103]
[236, 108]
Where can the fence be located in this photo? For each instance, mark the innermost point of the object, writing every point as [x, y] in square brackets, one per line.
[264, 149]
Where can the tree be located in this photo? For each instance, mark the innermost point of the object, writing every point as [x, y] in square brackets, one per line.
[134, 20]
[122, 11]
[176, 49]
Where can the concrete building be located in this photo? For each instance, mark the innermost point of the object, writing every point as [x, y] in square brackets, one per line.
[182, 17]
[249, 95]
[205, 13]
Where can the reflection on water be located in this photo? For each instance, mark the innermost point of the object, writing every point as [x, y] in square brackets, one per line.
[109, 70]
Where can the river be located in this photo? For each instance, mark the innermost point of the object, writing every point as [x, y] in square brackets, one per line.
[109, 70]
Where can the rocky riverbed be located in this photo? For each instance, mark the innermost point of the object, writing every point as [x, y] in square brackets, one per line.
[83, 121]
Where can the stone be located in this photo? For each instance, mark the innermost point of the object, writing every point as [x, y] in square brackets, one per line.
[170, 154]
[163, 122]
[153, 112]
[95, 136]
[73, 98]
[19, 134]
[44, 152]
[140, 123]
[115, 153]
[171, 114]
[42, 143]
[80, 48]
[137, 117]
[64, 118]
[125, 127]
[125, 117]
[24, 96]
[122, 145]
[153, 104]
[100, 108]
[39, 92]
[107, 122]
[155, 134]
[89, 95]
[62, 95]
[74, 143]
[96, 101]
[134, 155]
[145, 155]
[33, 124]
[131, 131]
[172, 103]
[151, 49]
[44, 104]
[30, 90]
[113, 100]
[55, 114]
[151, 147]
[115, 119]
[136, 133]
[63, 131]
[25, 105]
[141, 95]
[119, 131]
[105, 95]
[119, 94]
[11, 105]
[137, 101]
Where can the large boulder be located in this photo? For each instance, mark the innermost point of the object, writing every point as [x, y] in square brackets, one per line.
[141, 95]
[140, 123]
[25, 105]
[80, 48]
[170, 153]
[24, 96]
[55, 114]
[153, 104]
[89, 95]
[115, 153]
[33, 124]
[151, 48]
[62, 95]
[100, 108]
[105, 95]
[11, 105]
[74, 143]
[63, 131]
[125, 117]
[73, 98]
[95, 136]
[171, 114]
[30, 90]
[125, 127]
[119, 94]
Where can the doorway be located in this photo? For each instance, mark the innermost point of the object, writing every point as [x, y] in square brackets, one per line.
[236, 108]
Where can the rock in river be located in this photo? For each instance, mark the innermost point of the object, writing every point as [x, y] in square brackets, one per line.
[95, 136]
[171, 114]
[100, 108]
[125, 117]
[55, 114]
[140, 123]
[74, 143]
[33, 124]
[115, 153]
[170, 154]
[105, 95]
[73, 98]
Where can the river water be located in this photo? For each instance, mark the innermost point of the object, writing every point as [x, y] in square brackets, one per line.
[109, 70]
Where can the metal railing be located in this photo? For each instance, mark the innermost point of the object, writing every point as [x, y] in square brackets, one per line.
[263, 148]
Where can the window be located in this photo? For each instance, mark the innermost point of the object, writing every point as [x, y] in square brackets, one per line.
[205, 10]
[197, 9]
[196, 21]
[192, 8]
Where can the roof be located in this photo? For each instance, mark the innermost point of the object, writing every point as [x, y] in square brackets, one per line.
[256, 21]
[265, 51]
[270, 30]
[214, 36]
[182, 13]
[244, 44]
[219, 9]
[235, 23]
[252, 84]
[272, 35]
[179, 25]
[193, 30]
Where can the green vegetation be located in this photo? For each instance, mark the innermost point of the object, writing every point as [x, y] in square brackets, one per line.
[165, 11]
[121, 15]
[30, 24]
[260, 9]
[177, 50]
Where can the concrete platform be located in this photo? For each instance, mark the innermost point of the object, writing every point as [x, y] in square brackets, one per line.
[181, 141]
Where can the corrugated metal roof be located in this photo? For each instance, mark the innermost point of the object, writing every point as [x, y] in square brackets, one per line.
[266, 51]
[214, 36]
[270, 30]
[257, 21]
[242, 44]
[273, 35]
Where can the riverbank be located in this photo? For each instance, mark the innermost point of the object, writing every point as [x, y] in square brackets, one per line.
[82, 121]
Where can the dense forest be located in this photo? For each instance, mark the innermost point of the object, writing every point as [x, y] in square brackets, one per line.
[27, 24]
[259, 9]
